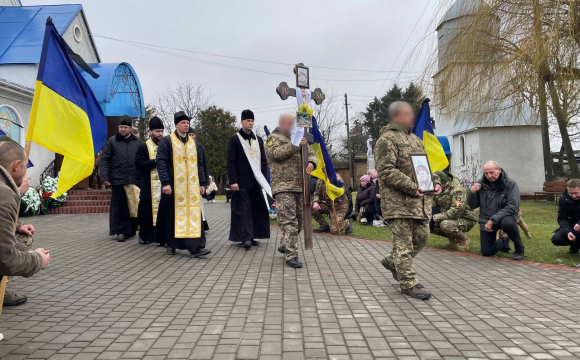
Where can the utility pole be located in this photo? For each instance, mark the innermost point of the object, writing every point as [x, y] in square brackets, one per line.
[348, 144]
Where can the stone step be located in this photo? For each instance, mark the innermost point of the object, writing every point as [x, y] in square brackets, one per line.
[102, 202]
[80, 210]
[87, 197]
[89, 192]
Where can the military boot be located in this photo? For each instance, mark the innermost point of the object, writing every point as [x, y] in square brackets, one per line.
[14, 299]
[349, 228]
[322, 229]
[388, 267]
[417, 292]
[463, 244]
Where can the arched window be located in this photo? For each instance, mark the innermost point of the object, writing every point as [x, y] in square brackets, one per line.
[462, 149]
[10, 123]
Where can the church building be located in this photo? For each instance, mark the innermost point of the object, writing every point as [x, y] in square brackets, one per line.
[21, 35]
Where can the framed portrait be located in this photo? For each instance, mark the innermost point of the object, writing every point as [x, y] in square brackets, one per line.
[422, 172]
[302, 76]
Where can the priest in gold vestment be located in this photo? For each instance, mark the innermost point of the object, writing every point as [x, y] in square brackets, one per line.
[183, 181]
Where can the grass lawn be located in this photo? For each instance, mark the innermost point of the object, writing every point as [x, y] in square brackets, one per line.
[540, 217]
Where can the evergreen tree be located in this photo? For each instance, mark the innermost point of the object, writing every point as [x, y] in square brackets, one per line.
[142, 124]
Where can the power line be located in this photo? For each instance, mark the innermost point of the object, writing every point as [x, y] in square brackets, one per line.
[404, 45]
[247, 59]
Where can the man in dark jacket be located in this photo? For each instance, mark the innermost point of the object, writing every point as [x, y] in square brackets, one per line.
[568, 234]
[150, 186]
[498, 198]
[117, 167]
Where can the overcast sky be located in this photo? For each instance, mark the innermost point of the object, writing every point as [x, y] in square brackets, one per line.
[353, 34]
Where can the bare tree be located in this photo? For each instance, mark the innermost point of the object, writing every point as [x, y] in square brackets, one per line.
[330, 119]
[185, 96]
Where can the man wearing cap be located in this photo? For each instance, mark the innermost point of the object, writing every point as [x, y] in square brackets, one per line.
[118, 171]
[455, 217]
[150, 186]
[247, 168]
[183, 180]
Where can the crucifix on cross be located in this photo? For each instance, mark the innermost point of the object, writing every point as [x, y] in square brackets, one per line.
[302, 74]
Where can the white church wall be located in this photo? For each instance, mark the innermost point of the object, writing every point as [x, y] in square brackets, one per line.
[22, 74]
[10, 3]
[518, 150]
[466, 158]
[76, 36]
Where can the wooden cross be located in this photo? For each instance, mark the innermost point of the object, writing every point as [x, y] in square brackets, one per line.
[284, 91]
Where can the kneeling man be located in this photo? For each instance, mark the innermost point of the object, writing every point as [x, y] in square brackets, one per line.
[322, 204]
[498, 198]
[569, 218]
[455, 217]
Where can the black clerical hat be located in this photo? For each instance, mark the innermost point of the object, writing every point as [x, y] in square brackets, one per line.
[180, 116]
[125, 120]
[191, 130]
[156, 124]
[247, 114]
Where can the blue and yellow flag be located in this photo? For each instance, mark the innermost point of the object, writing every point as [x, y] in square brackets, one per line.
[433, 148]
[66, 117]
[325, 169]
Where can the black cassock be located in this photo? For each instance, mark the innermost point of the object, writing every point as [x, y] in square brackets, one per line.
[120, 220]
[145, 165]
[166, 214]
[249, 214]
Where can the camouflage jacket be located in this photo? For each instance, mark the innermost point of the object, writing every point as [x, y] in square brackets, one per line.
[320, 196]
[453, 202]
[285, 163]
[396, 179]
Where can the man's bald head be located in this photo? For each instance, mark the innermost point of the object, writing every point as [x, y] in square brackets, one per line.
[13, 159]
[401, 113]
[492, 170]
[286, 122]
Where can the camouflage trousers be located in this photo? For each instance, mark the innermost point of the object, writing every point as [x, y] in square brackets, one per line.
[325, 209]
[289, 212]
[454, 230]
[23, 243]
[409, 238]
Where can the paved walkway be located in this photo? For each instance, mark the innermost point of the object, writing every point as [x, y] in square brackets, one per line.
[101, 299]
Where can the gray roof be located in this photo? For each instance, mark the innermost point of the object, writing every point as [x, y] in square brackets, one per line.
[463, 8]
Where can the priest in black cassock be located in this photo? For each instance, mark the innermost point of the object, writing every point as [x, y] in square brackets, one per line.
[247, 168]
[183, 180]
[150, 185]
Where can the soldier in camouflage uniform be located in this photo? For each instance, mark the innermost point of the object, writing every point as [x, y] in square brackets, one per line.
[286, 175]
[24, 241]
[404, 205]
[455, 217]
[321, 204]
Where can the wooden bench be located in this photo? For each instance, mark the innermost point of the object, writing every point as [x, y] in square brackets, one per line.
[555, 188]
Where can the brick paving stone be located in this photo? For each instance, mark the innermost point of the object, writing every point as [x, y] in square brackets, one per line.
[131, 301]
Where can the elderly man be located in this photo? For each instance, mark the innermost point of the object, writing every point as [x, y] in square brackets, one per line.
[405, 206]
[498, 198]
[287, 185]
[455, 217]
[15, 258]
[568, 234]
[117, 168]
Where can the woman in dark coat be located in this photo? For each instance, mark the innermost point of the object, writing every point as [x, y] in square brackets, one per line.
[366, 198]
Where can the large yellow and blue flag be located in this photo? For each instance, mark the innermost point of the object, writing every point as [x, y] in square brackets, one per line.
[325, 169]
[433, 148]
[66, 117]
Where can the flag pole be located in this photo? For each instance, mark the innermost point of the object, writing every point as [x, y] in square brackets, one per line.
[332, 208]
[5, 278]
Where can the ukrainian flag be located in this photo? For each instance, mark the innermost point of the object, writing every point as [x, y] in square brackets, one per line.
[66, 117]
[433, 148]
[325, 169]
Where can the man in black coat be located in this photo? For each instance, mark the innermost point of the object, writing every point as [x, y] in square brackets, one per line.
[150, 185]
[117, 170]
[498, 198]
[568, 234]
[180, 200]
[250, 214]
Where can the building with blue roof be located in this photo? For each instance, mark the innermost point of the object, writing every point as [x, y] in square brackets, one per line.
[21, 35]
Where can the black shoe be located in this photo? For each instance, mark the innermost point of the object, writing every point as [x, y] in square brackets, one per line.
[13, 299]
[518, 256]
[348, 229]
[121, 237]
[162, 245]
[294, 263]
[506, 248]
[572, 251]
[201, 252]
[247, 244]
[322, 229]
[170, 251]
[417, 292]
[393, 271]
[281, 250]
[142, 242]
[255, 243]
